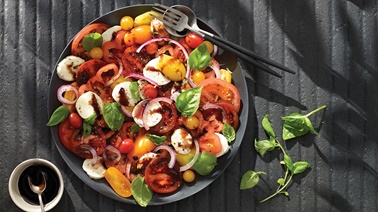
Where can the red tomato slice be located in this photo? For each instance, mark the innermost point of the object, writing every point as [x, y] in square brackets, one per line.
[107, 72]
[226, 113]
[217, 91]
[210, 143]
[88, 70]
[76, 47]
[160, 178]
[69, 135]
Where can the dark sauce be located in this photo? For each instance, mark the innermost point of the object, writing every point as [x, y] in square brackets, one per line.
[34, 171]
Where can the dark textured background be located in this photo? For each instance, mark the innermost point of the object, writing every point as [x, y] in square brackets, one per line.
[332, 45]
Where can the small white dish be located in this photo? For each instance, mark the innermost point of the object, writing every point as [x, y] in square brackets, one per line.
[14, 189]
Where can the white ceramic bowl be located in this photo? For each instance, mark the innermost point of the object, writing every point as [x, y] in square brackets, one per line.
[15, 192]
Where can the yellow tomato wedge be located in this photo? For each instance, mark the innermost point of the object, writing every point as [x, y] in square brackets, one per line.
[120, 184]
[226, 75]
[183, 159]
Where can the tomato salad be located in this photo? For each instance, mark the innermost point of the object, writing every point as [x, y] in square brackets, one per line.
[145, 109]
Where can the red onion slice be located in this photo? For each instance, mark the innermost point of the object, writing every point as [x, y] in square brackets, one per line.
[128, 169]
[114, 150]
[91, 150]
[172, 153]
[194, 160]
[64, 88]
[138, 76]
[216, 67]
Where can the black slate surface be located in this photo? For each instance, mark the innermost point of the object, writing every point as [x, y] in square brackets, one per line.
[332, 45]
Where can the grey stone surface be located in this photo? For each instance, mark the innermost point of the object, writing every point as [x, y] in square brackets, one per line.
[332, 45]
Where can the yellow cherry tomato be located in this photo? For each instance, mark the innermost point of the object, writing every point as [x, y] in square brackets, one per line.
[183, 159]
[171, 67]
[191, 122]
[209, 46]
[142, 146]
[198, 76]
[120, 184]
[189, 176]
[127, 23]
[142, 33]
[96, 53]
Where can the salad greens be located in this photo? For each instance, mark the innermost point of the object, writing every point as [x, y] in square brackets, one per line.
[199, 58]
[92, 40]
[157, 140]
[187, 102]
[141, 192]
[205, 163]
[294, 125]
[229, 132]
[87, 125]
[113, 115]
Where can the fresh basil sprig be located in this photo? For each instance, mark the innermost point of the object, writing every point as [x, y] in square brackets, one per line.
[199, 58]
[157, 140]
[187, 102]
[92, 40]
[141, 192]
[134, 89]
[295, 125]
[205, 163]
[58, 116]
[113, 115]
[87, 125]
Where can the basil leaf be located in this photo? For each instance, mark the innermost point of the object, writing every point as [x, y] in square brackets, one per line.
[289, 163]
[199, 58]
[263, 146]
[134, 89]
[113, 115]
[250, 179]
[92, 40]
[228, 132]
[158, 140]
[187, 102]
[135, 128]
[91, 119]
[268, 127]
[281, 181]
[205, 163]
[297, 124]
[300, 166]
[141, 192]
[87, 129]
[58, 116]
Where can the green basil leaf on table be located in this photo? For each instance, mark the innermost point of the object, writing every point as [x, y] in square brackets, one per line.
[268, 126]
[58, 116]
[187, 102]
[263, 146]
[92, 40]
[199, 58]
[300, 166]
[250, 179]
[141, 192]
[289, 163]
[113, 115]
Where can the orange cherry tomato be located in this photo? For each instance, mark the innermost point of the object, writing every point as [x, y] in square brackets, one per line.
[129, 39]
[142, 146]
[152, 48]
[210, 142]
[142, 33]
[150, 92]
[120, 184]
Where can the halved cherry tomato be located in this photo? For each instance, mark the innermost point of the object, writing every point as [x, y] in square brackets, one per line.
[150, 92]
[126, 145]
[120, 184]
[142, 33]
[75, 120]
[76, 47]
[216, 91]
[120, 44]
[160, 178]
[88, 70]
[210, 142]
[193, 40]
[168, 122]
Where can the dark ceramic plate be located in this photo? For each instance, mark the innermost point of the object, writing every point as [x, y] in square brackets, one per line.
[74, 162]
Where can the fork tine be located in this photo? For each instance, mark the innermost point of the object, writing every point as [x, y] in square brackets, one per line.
[172, 10]
[165, 13]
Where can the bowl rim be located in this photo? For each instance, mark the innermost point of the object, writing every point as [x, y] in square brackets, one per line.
[14, 191]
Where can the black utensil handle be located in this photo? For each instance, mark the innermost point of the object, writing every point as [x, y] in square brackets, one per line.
[252, 54]
[241, 55]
